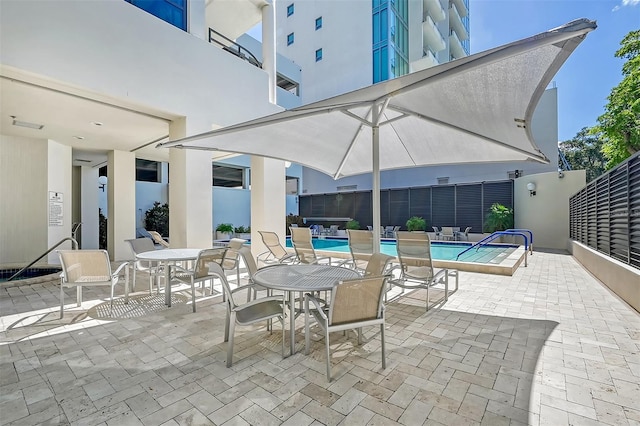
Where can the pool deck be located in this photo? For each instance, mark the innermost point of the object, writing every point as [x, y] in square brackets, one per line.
[549, 345]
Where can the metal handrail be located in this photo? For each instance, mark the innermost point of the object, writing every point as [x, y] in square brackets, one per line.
[530, 232]
[493, 236]
[74, 244]
[229, 48]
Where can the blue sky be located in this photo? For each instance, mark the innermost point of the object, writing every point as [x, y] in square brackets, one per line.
[587, 77]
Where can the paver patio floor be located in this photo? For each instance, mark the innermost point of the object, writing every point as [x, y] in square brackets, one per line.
[550, 345]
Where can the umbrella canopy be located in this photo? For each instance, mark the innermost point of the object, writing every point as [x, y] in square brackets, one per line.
[471, 110]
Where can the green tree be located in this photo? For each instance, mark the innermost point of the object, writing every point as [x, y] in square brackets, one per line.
[620, 124]
[499, 218]
[584, 152]
[157, 218]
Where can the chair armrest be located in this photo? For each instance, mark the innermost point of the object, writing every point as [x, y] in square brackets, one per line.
[308, 297]
[439, 276]
[120, 268]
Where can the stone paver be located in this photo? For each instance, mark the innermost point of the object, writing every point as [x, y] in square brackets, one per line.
[550, 345]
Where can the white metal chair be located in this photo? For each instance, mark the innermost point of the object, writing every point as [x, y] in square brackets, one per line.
[437, 232]
[354, 304]
[275, 253]
[416, 267]
[200, 271]
[447, 233]
[89, 268]
[260, 309]
[231, 260]
[378, 264]
[464, 235]
[302, 244]
[140, 245]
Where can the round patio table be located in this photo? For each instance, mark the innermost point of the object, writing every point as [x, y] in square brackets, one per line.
[166, 256]
[300, 278]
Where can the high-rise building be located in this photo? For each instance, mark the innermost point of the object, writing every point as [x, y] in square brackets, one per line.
[342, 46]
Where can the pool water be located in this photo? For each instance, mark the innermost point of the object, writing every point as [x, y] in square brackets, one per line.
[439, 250]
[5, 274]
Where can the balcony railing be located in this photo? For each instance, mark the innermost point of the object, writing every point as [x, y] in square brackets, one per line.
[432, 37]
[455, 21]
[232, 47]
[434, 9]
[455, 46]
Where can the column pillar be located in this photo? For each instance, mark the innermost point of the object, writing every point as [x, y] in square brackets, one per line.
[268, 202]
[269, 46]
[121, 222]
[190, 192]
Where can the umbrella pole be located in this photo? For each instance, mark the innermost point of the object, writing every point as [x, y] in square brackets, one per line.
[375, 193]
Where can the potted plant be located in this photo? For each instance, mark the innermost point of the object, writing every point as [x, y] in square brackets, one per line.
[416, 223]
[224, 231]
[157, 218]
[353, 224]
[242, 232]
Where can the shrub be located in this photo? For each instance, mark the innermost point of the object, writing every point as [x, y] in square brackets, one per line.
[293, 220]
[225, 228]
[416, 223]
[353, 224]
[102, 233]
[157, 218]
[499, 218]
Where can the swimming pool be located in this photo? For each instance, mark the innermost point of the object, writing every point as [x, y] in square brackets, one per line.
[502, 259]
[34, 272]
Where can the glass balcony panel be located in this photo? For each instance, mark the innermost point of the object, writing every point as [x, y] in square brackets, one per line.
[431, 36]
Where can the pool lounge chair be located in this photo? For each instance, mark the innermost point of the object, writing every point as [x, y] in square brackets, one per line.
[447, 233]
[302, 244]
[416, 267]
[276, 253]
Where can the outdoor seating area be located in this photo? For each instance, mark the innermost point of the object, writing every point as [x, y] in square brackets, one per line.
[527, 349]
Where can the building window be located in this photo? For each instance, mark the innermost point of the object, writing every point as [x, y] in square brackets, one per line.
[147, 171]
[171, 11]
[290, 10]
[290, 39]
[318, 55]
[318, 23]
[228, 176]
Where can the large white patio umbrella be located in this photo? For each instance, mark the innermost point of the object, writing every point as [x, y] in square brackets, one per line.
[475, 109]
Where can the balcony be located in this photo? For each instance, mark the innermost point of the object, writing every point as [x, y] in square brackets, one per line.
[461, 7]
[455, 22]
[428, 60]
[455, 46]
[434, 9]
[431, 36]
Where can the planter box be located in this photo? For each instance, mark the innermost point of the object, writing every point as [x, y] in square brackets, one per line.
[223, 235]
[244, 236]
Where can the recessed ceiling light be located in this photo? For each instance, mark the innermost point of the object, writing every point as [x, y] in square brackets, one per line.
[26, 124]
[79, 137]
[96, 123]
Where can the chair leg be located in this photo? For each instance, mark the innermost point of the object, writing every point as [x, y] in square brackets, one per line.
[306, 327]
[384, 363]
[111, 303]
[359, 336]
[232, 327]
[226, 325]
[326, 339]
[193, 295]
[61, 300]
[79, 296]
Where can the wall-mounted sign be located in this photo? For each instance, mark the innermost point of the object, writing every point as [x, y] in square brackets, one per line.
[56, 209]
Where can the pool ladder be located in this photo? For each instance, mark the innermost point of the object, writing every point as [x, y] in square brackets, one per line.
[528, 242]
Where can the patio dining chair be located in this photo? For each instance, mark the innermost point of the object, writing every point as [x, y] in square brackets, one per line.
[302, 244]
[437, 232]
[257, 310]
[416, 266]
[354, 304]
[200, 272]
[464, 235]
[447, 233]
[90, 268]
[155, 270]
[231, 260]
[276, 253]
